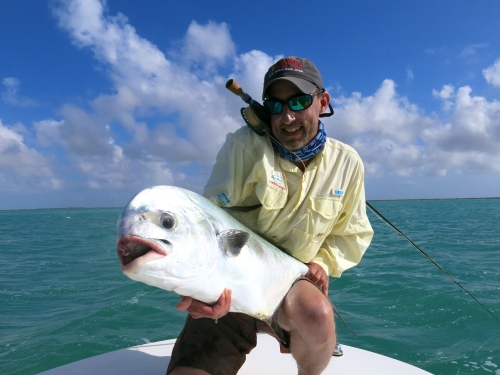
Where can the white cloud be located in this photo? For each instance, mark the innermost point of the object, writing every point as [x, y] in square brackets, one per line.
[474, 129]
[385, 129]
[384, 114]
[409, 74]
[492, 74]
[10, 94]
[47, 131]
[249, 71]
[17, 156]
[148, 85]
[396, 138]
[19, 162]
[207, 46]
[446, 93]
[471, 50]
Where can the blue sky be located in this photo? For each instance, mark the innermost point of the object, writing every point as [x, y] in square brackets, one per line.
[100, 99]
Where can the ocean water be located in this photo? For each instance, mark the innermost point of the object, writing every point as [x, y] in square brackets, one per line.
[63, 297]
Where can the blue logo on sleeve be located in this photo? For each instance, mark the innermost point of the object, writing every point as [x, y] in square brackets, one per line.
[224, 199]
[338, 192]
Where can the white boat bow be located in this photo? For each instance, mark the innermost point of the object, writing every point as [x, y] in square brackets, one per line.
[265, 359]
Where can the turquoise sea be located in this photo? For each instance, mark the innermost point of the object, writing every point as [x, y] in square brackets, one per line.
[63, 297]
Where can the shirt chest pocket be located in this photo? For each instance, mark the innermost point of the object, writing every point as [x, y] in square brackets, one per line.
[273, 200]
[321, 215]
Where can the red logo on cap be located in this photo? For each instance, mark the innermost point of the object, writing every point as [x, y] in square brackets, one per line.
[286, 64]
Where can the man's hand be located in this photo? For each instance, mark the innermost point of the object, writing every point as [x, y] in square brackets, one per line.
[318, 276]
[198, 309]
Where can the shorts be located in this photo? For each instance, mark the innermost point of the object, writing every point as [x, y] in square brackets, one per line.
[218, 348]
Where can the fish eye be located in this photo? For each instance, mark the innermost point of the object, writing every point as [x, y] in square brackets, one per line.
[167, 221]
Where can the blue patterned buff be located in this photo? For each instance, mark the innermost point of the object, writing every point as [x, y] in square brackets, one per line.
[306, 152]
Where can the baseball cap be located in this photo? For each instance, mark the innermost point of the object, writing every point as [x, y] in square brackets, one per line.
[301, 72]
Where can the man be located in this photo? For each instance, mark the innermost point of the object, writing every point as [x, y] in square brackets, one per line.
[308, 191]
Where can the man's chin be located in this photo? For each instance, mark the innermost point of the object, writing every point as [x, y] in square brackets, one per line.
[293, 146]
[292, 143]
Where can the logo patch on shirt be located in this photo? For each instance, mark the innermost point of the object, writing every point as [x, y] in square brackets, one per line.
[224, 199]
[277, 178]
[277, 181]
[338, 192]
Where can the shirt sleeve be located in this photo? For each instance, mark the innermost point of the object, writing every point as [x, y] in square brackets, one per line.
[352, 233]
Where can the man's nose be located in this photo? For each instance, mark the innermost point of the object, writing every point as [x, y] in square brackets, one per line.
[287, 115]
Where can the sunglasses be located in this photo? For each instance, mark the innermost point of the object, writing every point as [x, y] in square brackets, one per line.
[296, 104]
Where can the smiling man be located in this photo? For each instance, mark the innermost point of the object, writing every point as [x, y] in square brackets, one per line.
[304, 192]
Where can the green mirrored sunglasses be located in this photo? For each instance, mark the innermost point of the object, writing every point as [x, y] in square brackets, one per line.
[296, 104]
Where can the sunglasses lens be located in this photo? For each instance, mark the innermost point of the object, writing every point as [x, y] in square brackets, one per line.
[274, 107]
[300, 102]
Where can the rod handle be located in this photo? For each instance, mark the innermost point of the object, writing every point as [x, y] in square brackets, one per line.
[232, 86]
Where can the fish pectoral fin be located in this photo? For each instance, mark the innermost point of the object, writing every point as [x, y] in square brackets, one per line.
[232, 241]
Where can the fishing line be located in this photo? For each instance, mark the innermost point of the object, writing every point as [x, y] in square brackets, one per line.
[487, 341]
[381, 217]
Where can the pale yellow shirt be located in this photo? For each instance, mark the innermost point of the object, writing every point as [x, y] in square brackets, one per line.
[317, 216]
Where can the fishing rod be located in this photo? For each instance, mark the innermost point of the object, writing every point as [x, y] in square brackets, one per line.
[381, 217]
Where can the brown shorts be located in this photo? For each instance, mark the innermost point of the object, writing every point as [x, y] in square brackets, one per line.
[218, 348]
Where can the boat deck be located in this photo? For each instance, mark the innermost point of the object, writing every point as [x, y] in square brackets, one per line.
[265, 359]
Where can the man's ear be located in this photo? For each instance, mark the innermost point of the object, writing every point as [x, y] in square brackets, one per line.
[324, 100]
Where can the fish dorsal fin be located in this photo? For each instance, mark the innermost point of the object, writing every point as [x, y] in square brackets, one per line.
[232, 241]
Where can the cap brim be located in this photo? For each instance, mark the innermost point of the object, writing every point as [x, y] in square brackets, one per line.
[305, 86]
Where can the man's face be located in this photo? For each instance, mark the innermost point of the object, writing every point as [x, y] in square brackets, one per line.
[293, 129]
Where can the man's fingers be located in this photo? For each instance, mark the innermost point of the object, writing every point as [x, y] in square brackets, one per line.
[318, 276]
[314, 277]
[198, 309]
[184, 303]
[223, 304]
[325, 290]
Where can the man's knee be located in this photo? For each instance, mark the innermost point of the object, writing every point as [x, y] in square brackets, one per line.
[305, 305]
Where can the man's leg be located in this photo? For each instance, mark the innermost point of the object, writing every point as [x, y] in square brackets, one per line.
[308, 315]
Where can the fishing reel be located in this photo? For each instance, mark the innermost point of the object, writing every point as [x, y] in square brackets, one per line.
[256, 116]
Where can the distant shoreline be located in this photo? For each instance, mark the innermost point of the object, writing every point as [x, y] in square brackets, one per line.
[370, 200]
[57, 208]
[427, 199]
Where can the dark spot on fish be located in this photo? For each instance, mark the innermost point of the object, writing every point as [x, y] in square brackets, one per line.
[232, 241]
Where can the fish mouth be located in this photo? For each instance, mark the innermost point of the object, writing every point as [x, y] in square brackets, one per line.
[130, 247]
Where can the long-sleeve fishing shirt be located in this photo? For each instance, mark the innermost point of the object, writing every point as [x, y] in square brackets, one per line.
[318, 215]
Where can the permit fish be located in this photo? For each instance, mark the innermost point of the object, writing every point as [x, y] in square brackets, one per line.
[177, 240]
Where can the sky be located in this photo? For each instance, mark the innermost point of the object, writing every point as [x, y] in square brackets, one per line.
[101, 99]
